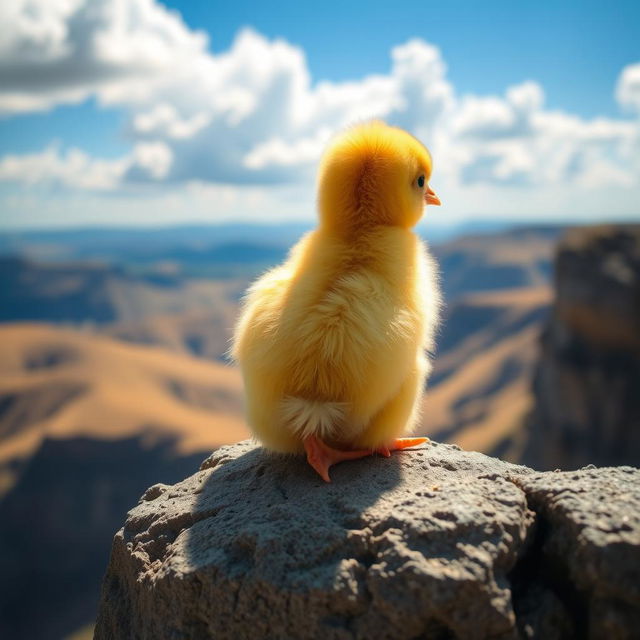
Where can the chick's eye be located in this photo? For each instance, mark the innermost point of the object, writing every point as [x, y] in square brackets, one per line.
[421, 181]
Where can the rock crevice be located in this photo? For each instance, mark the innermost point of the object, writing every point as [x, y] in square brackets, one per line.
[584, 560]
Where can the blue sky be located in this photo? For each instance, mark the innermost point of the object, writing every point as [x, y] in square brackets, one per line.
[574, 49]
[121, 112]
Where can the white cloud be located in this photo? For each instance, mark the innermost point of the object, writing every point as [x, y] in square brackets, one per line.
[151, 160]
[35, 32]
[278, 152]
[74, 169]
[163, 119]
[63, 51]
[628, 89]
[423, 93]
[250, 118]
[514, 140]
[77, 170]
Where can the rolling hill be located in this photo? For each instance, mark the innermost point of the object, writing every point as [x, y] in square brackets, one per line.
[60, 384]
[520, 257]
[99, 294]
[480, 390]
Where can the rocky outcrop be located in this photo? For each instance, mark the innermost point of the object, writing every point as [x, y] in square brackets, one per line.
[587, 405]
[434, 542]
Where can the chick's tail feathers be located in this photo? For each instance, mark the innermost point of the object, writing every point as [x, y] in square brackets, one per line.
[312, 417]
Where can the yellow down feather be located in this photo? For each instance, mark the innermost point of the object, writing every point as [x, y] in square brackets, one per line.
[332, 342]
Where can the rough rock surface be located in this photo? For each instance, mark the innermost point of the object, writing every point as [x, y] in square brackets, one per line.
[432, 543]
[587, 549]
[587, 405]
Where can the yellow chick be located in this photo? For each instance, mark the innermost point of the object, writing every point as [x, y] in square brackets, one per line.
[331, 344]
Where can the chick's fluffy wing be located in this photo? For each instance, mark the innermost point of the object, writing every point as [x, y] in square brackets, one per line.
[314, 331]
[354, 341]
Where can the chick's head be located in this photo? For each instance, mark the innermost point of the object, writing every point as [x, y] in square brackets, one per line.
[374, 174]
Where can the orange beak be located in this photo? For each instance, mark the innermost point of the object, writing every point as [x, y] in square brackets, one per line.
[430, 197]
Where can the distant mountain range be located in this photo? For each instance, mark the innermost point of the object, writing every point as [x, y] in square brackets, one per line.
[95, 293]
[208, 250]
[165, 304]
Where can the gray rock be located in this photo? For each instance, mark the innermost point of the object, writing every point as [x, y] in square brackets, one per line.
[432, 543]
[587, 405]
[588, 546]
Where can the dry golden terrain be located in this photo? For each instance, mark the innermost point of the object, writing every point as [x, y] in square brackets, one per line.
[491, 262]
[203, 333]
[483, 381]
[63, 383]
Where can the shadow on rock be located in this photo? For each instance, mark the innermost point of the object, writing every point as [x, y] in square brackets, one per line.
[270, 520]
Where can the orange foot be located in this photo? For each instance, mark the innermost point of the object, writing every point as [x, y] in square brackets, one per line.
[321, 456]
[399, 443]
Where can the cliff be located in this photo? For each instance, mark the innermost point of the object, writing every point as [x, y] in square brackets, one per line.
[587, 405]
[434, 542]
[57, 522]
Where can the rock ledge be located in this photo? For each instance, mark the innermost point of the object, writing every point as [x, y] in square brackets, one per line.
[432, 543]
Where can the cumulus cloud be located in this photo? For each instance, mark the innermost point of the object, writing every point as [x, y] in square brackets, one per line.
[73, 169]
[514, 140]
[628, 89]
[253, 116]
[63, 51]
[77, 170]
